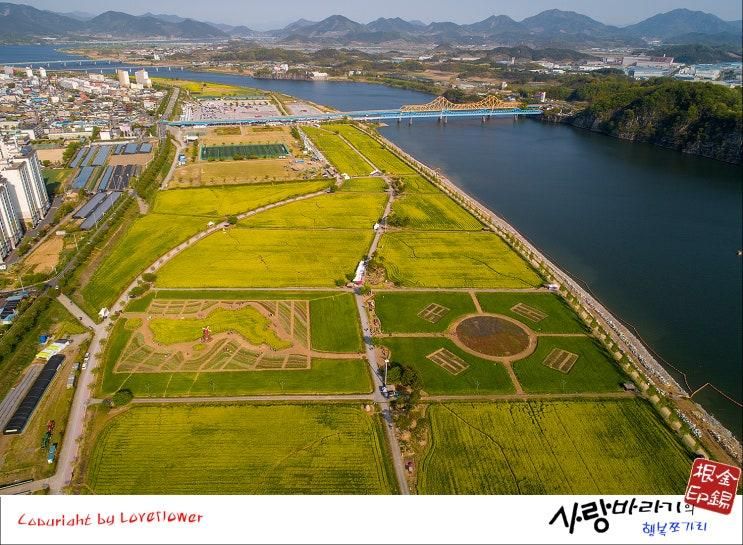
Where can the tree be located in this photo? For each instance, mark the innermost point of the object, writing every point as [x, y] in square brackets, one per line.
[232, 220]
[122, 397]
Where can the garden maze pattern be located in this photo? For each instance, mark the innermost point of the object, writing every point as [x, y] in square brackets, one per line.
[560, 360]
[229, 351]
[530, 313]
[433, 313]
[448, 361]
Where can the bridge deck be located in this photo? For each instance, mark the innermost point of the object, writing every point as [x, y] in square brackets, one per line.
[364, 115]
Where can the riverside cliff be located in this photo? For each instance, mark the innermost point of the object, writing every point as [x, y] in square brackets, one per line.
[698, 118]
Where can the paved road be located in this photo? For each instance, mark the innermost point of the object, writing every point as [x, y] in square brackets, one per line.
[371, 357]
[76, 420]
[522, 397]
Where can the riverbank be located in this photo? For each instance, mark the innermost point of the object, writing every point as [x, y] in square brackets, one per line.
[671, 401]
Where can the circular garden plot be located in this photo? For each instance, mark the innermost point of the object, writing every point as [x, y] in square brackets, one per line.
[494, 337]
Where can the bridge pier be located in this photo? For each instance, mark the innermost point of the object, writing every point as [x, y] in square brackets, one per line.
[410, 122]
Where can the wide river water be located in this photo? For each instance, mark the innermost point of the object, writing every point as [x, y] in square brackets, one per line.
[652, 233]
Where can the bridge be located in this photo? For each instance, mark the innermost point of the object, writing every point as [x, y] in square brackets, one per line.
[440, 108]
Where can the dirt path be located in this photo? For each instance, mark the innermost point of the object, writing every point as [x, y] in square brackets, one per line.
[239, 399]
[476, 301]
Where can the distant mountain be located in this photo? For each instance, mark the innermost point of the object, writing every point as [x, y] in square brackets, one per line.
[391, 25]
[241, 31]
[678, 22]
[18, 21]
[79, 15]
[335, 25]
[168, 18]
[569, 27]
[495, 24]
[115, 23]
[553, 29]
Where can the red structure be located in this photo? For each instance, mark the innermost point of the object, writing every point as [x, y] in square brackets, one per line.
[206, 334]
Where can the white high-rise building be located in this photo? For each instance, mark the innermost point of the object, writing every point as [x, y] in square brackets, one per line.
[143, 78]
[29, 72]
[42, 73]
[123, 76]
[22, 170]
[11, 230]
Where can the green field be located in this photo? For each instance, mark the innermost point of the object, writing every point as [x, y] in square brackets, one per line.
[203, 89]
[448, 260]
[341, 155]
[246, 321]
[592, 372]
[433, 211]
[232, 199]
[398, 311]
[244, 295]
[246, 151]
[335, 210]
[334, 324]
[364, 185]
[324, 377]
[417, 184]
[242, 449]
[148, 238]
[481, 377]
[267, 258]
[551, 447]
[383, 159]
[560, 317]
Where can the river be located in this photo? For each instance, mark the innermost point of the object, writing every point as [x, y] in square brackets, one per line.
[652, 233]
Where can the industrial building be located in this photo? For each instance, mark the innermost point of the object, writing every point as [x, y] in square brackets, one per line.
[25, 410]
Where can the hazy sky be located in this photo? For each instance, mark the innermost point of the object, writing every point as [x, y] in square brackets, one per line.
[263, 14]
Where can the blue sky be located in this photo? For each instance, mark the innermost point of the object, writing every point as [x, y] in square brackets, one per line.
[262, 14]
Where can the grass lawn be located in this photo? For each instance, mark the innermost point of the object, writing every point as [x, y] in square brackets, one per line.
[383, 159]
[242, 449]
[267, 258]
[334, 210]
[146, 239]
[593, 371]
[240, 172]
[234, 199]
[551, 447]
[324, 377]
[560, 317]
[398, 311]
[205, 88]
[246, 321]
[334, 324]
[339, 153]
[433, 211]
[448, 260]
[55, 178]
[481, 377]
[364, 185]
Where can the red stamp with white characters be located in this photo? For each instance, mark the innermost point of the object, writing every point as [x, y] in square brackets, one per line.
[712, 486]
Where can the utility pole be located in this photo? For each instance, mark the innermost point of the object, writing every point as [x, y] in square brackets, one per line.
[386, 362]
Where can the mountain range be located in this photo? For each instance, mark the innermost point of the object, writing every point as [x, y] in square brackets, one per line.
[554, 27]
